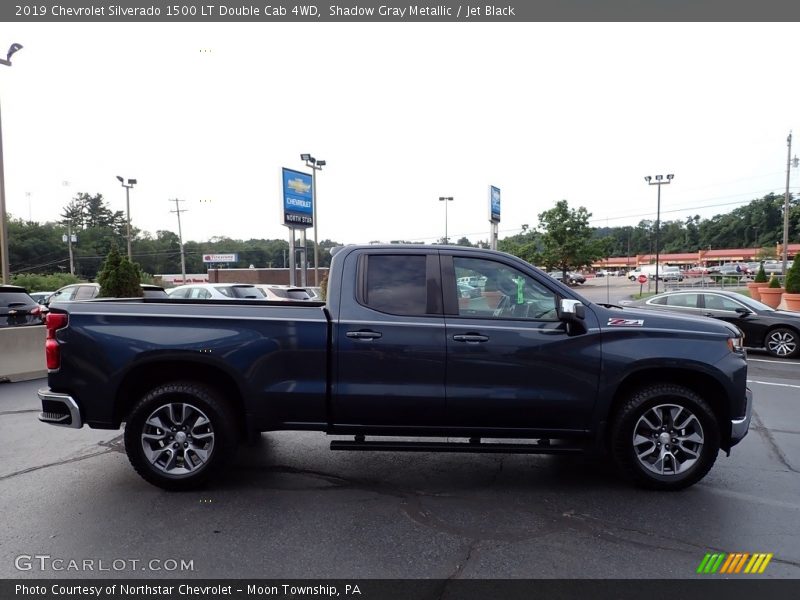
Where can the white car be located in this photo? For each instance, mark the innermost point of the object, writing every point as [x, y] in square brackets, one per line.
[284, 292]
[217, 291]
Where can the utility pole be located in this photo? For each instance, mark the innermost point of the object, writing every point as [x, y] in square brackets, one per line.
[69, 239]
[4, 264]
[178, 210]
[789, 162]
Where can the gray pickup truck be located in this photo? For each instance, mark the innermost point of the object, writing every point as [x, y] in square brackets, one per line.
[526, 365]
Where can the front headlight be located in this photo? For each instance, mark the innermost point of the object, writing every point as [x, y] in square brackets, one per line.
[736, 344]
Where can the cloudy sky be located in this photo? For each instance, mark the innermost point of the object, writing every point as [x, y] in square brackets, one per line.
[402, 113]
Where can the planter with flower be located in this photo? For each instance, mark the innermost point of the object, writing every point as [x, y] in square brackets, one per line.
[759, 281]
[792, 284]
[771, 295]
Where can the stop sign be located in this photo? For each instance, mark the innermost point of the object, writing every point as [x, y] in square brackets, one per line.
[642, 278]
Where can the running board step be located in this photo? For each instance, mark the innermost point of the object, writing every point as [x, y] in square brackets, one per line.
[493, 448]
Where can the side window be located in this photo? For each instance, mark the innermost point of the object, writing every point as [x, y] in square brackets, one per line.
[714, 302]
[86, 292]
[683, 300]
[179, 293]
[506, 293]
[660, 301]
[396, 284]
[225, 291]
[64, 295]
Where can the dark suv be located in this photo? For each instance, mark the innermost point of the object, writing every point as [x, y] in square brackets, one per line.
[18, 308]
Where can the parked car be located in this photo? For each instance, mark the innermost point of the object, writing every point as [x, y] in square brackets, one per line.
[573, 278]
[284, 292]
[467, 291]
[217, 291]
[776, 331]
[732, 269]
[395, 352]
[17, 308]
[87, 291]
[776, 266]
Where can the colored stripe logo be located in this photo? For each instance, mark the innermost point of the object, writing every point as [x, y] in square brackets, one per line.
[731, 564]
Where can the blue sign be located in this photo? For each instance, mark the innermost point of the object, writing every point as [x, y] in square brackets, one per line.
[298, 207]
[494, 204]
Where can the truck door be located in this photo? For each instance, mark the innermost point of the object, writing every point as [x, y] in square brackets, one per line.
[511, 363]
[389, 344]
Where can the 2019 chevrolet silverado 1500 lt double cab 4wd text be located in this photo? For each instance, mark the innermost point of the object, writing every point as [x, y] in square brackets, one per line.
[397, 352]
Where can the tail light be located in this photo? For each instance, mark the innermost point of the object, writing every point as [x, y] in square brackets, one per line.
[53, 322]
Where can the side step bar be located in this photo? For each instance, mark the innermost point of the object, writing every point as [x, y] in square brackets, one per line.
[543, 447]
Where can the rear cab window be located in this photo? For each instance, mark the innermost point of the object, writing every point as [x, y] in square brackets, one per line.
[396, 284]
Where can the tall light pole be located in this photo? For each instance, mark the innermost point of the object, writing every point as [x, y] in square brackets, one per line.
[128, 186]
[445, 199]
[789, 163]
[659, 181]
[315, 165]
[6, 275]
[178, 210]
[69, 236]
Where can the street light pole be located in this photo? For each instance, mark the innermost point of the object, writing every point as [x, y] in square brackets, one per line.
[315, 165]
[786, 202]
[4, 264]
[659, 181]
[445, 199]
[128, 186]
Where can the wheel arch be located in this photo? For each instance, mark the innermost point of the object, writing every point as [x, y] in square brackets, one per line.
[702, 384]
[142, 378]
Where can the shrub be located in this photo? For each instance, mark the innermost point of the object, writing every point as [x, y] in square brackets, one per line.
[761, 276]
[792, 283]
[774, 282]
[35, 282]
[119, 277]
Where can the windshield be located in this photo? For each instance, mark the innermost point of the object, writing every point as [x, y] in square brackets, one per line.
[754, 304]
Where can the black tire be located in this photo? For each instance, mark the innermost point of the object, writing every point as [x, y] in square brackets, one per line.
[633, 421]
[782, 342]
[193, 460]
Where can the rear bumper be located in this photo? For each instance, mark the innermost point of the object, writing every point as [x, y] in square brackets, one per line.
[740, 426]
[59, 409]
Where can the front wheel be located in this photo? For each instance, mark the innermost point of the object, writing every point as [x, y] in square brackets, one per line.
[783, 343]
[179, 434]
[665, 437]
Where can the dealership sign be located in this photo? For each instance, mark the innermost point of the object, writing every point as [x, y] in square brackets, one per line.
[494, 204]
[298, 207]
[220, 258]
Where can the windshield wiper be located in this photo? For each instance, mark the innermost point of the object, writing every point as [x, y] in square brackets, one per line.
[609, 305]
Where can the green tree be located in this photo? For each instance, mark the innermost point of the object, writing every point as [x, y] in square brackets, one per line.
[792, 283]
[567, 238]
[761, 276]
[119, 278]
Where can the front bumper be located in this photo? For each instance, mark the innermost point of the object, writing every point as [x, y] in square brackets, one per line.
[739, 427]
[59, 409]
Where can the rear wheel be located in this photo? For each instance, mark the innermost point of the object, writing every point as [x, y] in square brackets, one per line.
[783, 343]
[179, 434]
[665, 437]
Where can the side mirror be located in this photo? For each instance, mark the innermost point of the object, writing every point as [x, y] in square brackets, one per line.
[571, 310]
[743, 311]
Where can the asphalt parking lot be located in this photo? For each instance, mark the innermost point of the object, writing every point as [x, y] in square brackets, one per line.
[289, 507]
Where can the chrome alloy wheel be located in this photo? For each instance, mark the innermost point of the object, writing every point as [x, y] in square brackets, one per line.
[178, 439]
[782, 342]
[668, 439]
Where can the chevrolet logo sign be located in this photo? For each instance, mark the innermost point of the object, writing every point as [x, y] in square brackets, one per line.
[299, 186]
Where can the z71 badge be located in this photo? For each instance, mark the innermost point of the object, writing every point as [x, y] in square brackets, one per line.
[625, 322]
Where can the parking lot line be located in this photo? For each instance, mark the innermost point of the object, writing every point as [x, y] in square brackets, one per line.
[789, 385]
[777, 362]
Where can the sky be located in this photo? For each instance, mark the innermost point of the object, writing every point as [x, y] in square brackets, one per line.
[402, 113]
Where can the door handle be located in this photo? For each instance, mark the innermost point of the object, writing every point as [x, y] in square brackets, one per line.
[364, 335]
[708, 314]
[471, 338]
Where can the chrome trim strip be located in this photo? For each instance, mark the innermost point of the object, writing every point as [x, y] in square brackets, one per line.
[739, 427]
[68, 402]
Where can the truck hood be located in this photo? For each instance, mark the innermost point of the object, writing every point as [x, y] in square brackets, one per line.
[656, 319]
